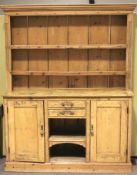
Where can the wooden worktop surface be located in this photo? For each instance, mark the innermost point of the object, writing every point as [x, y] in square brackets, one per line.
[71, 93]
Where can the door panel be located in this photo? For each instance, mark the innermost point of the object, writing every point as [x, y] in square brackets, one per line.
[109, 122]
[26, 120]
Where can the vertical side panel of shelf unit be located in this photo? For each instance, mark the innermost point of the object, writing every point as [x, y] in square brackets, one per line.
[98, 61]
[78, 59]
[129, 52]
[38, 61]
[8, 53]
[58, 59]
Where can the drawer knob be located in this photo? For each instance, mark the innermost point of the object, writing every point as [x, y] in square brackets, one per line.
[67, 104]
[71, 104]
[71, 113]
[92, 130]
[63, 104]
[62, 113]
[66, 112]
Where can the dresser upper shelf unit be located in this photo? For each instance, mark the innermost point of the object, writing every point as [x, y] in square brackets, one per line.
[68, 105]
[69, 47]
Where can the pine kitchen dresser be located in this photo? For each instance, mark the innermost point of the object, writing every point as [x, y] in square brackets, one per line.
[68, 105]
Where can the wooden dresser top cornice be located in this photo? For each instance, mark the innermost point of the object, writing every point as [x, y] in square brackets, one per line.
[113, 7]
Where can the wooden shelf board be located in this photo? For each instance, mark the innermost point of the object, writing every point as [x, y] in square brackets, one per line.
[93, 46]
[80, 92]
[79, 140]
[68, 117]
[67, 159]
[81, 73]
[59, 138]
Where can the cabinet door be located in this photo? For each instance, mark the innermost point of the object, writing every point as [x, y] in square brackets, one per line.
[26, 130]
[108, 131]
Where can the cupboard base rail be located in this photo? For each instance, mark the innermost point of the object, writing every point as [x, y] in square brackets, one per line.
[65, 167]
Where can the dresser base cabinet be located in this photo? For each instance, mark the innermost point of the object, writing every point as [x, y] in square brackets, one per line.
[68, 134]
[69, 87]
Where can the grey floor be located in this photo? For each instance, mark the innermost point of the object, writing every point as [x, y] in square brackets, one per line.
[13, 173]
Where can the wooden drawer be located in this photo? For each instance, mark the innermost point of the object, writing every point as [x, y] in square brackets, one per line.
[67, 113]
[66, 104]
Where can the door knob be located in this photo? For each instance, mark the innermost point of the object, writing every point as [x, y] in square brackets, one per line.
[92, 130]
[42, 130]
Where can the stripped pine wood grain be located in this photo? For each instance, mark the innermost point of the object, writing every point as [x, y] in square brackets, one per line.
[8, 53]
[58, 61]
[99, 29]
[118, 26]
[57, 30]
[76, 57]
[79, 93]
[68, 105]
[38, 60]
[20, 62]
[98, 60]
[26, 132]
[37, 30]
[70, 46]
[76, 165]
[19, 30]
[46, 150]
[114, 150]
